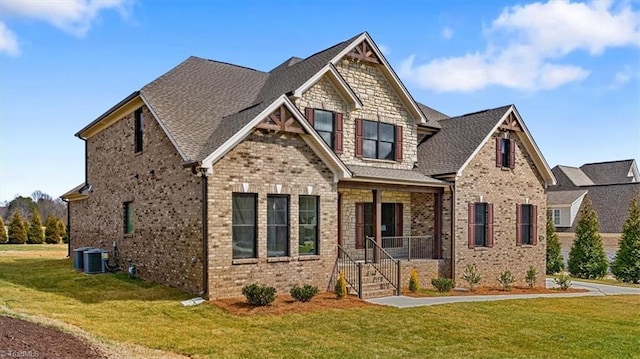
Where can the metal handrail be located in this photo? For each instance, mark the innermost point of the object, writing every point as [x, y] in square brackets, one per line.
[384, 263]
[352, 270]
[411, 247]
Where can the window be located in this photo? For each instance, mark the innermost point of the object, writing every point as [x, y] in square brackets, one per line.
[527, 224]
[480, 230]
[555, 213]
[308, 225]
[244, 225]
[127, 217]
[391, 224]
[138, 130]
[324, 125]
[328, 125]
[277, 226]
[378, 140]
[505, 153]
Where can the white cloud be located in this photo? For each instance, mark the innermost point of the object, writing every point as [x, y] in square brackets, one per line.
[447, 33]
[72, 16]
[385, 49]
[539, 36]
[8, 41]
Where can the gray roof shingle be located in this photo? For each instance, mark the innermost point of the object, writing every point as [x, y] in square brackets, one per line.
[611, 203]
[575, 175]
[191, 99]
[392, 174]
[446, 151]
[564, 197]
[608, 172]
[432, 115]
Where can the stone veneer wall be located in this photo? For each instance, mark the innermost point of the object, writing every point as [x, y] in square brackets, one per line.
[166, 245]
[504, 188]
[263, 160]
[380, 103]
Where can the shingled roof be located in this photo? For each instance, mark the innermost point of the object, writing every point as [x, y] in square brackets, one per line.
[564, 197]
[611, 203]
[432, 115]
[609, 172]
[447, 151]
[573, 174]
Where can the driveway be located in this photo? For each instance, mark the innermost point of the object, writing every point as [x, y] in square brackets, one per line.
[593, 290]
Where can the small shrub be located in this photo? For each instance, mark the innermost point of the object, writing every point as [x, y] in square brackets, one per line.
[341, 286]
[259, 295]
[443, 285]
[414, 284]
[471, 275]
[506, 280]
[563, 281]
[303, 294]
[531, 277]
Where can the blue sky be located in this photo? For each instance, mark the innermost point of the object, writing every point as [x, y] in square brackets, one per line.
[572, 69]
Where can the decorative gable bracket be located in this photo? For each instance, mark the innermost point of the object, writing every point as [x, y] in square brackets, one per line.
[511, 124]
[364, 52]
[281, 120]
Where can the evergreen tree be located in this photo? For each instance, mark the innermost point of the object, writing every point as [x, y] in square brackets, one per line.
[17, 229]
[626, 265]
[62, 229]
[555, 262]
[51, 233]
[587, 258]
[3, 232]
[35, 235]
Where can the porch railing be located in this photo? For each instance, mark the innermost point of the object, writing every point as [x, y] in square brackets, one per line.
[410, 247]
[352, 270]
[383, 262]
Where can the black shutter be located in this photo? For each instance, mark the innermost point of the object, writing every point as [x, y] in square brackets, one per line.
[472, 225]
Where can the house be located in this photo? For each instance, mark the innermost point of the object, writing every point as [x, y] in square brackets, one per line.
[610, 187]
[215, 176]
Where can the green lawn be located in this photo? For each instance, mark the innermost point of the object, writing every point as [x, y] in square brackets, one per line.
[41, 282]
[608, 281]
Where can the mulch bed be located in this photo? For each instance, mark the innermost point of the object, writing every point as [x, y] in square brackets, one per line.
[23, 339]
[285, 304]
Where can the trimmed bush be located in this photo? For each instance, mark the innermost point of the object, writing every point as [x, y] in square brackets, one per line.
[506, 280]
[17, 229]
[3, 232]
[626, 265]
[555, 262]
[341, 286]
[304, 293]
[259, 295]
[471, 275]
[563, 281]
[35, 234]
[531, 277]
[62, 230]
[443, 285]
[587, 258]
[414, 283]
[51, 233]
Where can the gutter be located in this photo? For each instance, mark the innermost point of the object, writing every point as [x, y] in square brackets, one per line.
[205, 233]
[68, 226]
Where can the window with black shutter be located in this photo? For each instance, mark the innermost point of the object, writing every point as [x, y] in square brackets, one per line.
[527, 224]
[480, 219]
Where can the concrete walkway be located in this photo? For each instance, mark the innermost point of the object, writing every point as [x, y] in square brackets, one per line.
[593, 290]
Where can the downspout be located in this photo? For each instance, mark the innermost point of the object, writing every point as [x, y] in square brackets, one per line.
[453, 233]
[205, 234]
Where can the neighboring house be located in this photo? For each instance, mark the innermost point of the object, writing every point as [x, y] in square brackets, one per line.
[215, 176]
[609, 186]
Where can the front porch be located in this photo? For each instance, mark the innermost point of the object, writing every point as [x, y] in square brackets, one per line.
[386, 231]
